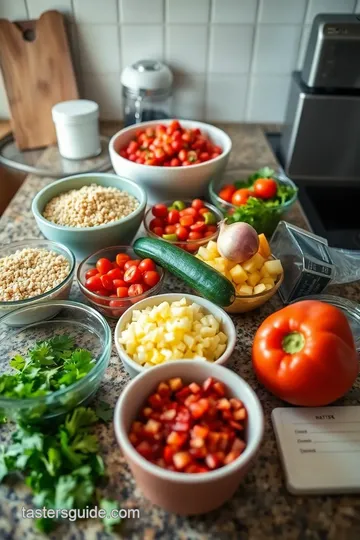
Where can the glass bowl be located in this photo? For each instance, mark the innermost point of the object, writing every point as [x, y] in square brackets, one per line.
[60, 292]
[263, 224]
[244, 303]
[90, 331]
[190, 245]
[108, 306]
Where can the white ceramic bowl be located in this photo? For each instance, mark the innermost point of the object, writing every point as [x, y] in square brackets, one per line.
[186, 493]
[162, 183]
[133, 368]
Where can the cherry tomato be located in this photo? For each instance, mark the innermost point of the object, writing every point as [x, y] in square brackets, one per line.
[170, 229]
[115, 273]
[103, 265]
[122, 292]
[146, 265]
[203, 211]
[197, 204]
[195, 235]
[175, 162]
[189, 212]
[156, 222]
[212, 228]
[136, 289]
[182, 233]
[151, 278]
[159, 231]
[159, 210]
[227, 192]
[121, 259]
[117, 304]
[240, 197]
[198, 226]
[93, 283]
[265, 188]
[182, 155]
[102, 292]
[132, 275]
[186, 221]
[173, 217]
[119, 283]
[130, 263]
[107, 282]
[91, 272]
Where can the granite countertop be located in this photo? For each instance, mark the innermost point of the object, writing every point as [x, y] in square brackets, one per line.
[261, 508]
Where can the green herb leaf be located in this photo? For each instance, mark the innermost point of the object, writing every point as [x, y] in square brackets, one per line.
[109, 522]
[18, 362]
[104, 411]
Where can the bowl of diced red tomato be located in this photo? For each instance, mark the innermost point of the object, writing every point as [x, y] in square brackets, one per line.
[188, 224]
[189, 431]
[173, 159]
[114, 278]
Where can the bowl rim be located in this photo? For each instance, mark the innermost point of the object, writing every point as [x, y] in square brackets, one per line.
[103, 359]
[279, 176]
[211, 207]
[94, 177]
[195, 124]
[124, 249]
[249, 453]
[209, 306]
[32, 242]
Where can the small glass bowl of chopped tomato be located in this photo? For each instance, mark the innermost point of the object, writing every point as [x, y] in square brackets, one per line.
[207, 423]
[115, 278]
[188, 223]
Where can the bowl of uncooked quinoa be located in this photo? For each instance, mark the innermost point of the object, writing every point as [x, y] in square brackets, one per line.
[33, 271]
[87, 212]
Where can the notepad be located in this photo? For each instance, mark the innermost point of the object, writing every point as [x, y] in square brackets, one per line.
[319, 448]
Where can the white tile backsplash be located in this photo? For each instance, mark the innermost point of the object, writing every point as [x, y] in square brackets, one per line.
[188, 98]
[234, 11]
[276, 48]
[99, 48]
[13, 10]
[105, 89]
[268, 98]
[142, 11]
[187, 11]
[95, 12]
[37, 7]
[328, 6]
[139, 42]
[230, 48]
[282, 11]
[226, 98]
[186, 47]
[232, 59]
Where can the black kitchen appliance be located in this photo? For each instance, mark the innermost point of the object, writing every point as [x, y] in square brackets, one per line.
[319, 146]
[321, 135]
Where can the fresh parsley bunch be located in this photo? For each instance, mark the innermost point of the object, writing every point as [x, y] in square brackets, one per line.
[49, 366]
[62, 467]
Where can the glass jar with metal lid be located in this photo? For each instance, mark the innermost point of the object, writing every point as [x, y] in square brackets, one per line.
[146, 91]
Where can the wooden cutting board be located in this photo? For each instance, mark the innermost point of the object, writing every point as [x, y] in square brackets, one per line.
[38, 73]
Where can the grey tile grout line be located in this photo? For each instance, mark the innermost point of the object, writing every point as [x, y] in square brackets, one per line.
[303, 30]
[27, 9]
[164, 33]
[252, 59]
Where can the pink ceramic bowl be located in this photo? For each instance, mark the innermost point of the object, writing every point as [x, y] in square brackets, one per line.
[185, 493]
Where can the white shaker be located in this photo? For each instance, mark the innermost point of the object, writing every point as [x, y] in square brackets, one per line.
[77, 128]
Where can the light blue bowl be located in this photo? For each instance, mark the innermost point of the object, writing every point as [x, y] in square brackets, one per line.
[85, 240]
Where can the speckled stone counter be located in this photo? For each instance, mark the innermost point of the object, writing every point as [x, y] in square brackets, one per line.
[261, 508]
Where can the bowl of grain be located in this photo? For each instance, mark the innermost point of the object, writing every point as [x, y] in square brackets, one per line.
[34, 271]
[87, 212]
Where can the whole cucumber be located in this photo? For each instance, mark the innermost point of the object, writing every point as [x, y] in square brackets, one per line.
[195, 273]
